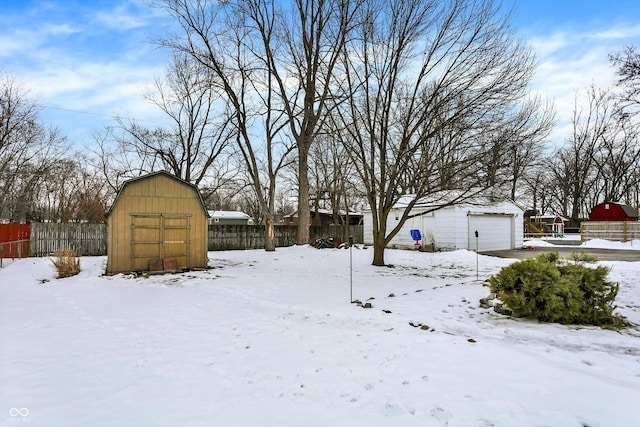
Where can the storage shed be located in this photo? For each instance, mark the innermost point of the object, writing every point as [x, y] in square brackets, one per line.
[499, 226]
[157, 222]
[613, 211]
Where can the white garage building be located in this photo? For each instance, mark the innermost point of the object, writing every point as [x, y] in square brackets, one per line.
[499, 226]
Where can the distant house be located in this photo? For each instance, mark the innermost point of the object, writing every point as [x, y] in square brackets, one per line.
[325, 217]
[229, 218]
[613, 211]
[498, 224]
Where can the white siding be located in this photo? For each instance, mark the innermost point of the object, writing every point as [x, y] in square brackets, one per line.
[449, 228]
[367, 223]
[426, 223]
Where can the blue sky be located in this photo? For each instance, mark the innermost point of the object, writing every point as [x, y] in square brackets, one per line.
[85, 61]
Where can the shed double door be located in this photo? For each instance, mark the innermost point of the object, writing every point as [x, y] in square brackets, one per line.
[159, 237]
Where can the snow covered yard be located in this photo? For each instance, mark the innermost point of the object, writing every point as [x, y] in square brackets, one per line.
[270, 339]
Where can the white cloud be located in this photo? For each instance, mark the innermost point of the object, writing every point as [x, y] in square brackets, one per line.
[98, 88]
[18, 42]
[570, 61]
[84, 65]
[129, 15]
[120, 19]
[56, 29]
[545, 46]
[618, 33]
[101, 63]
[28, 42]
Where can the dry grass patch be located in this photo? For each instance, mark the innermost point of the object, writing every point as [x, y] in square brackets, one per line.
[66, 262]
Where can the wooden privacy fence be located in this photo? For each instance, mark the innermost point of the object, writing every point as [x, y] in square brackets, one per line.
[85, 239]
[91, 239]
[227, 237]
[14, 240]
[619, 231]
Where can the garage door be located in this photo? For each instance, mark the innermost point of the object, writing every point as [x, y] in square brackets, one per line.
[495, 232]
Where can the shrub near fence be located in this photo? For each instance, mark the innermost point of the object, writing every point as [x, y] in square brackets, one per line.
[618, 231]
[84, 239]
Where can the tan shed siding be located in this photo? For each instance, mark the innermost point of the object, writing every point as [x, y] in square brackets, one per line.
[110, 233]
[155, 195]
[120, 238]
[124, 239]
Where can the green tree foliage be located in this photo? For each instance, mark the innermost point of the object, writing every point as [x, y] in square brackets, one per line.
[551, 290]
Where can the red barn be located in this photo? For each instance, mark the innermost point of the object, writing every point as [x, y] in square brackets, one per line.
[613, 211]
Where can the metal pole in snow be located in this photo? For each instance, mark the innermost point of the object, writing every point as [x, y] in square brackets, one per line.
[350, 268]
[477, 270]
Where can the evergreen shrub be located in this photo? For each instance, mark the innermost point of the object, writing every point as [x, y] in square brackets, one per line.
[551, 290]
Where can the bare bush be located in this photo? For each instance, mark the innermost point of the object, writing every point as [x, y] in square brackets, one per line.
[66, 262]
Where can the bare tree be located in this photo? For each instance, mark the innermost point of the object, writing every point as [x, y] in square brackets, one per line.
[192, 145]
[541, 187]
[28, 150]
[616, 160]
[315, 37]
[576, 169]
[227, 39]
[117, 164]
[72, 191]
[523, 141]
[560, 187]
[290, 58]
[628, 63]
[332, 178]
[432, 87]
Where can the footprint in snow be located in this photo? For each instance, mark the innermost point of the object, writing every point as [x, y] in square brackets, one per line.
[441, 415]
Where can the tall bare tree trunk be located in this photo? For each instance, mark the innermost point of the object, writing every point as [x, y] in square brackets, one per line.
[303, 196]
[379, 245]
[269, 236]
